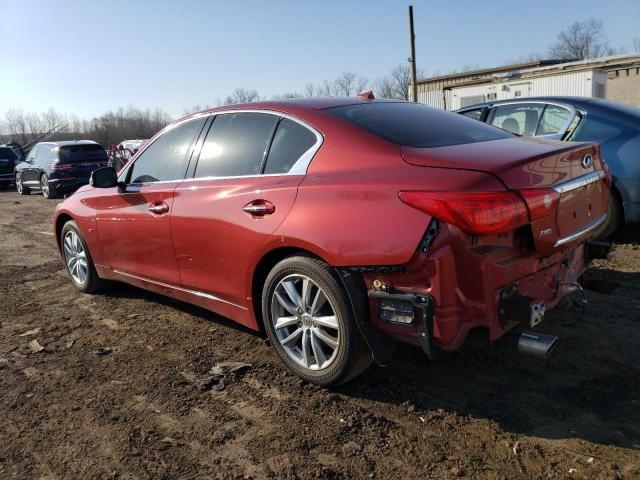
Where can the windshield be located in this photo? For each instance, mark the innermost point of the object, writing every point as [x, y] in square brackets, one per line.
[414, 125]
[70, 153]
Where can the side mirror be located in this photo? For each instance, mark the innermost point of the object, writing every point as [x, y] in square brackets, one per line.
[105, 177]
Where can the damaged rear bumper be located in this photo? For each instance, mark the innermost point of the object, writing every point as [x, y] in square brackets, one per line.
[457, 286]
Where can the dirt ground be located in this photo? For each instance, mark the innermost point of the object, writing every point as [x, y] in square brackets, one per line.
[113, 394]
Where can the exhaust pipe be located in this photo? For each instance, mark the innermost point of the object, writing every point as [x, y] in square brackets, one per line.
[536, 344]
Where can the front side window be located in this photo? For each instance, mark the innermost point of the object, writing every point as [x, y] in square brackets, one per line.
[290, 142]
[520, 118]
[166, 158]
[236, 145]
[553, 120]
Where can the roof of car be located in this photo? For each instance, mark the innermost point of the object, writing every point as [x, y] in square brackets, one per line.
[580, 102]
[65, 143]
[315, 103]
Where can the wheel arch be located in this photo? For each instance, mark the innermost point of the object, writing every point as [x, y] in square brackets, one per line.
[60, 222]
[262, 269]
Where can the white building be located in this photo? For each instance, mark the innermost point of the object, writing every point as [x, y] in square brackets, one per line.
[616, 78]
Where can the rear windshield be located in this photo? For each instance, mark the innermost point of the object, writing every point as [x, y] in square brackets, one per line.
[414, 125]
[8, 154]
[70, 153]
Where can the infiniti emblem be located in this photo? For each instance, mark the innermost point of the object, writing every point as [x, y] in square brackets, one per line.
[587, 161]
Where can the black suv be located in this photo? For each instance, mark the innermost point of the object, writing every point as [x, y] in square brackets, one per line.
[8, 159]
[55, 168]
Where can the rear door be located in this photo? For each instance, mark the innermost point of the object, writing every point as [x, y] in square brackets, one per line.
[242, 188]
[134, 223]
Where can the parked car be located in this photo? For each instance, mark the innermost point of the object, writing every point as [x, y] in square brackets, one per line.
[130, 147]
[337, 225]
[8, 159]
[614, 126]
[54, 168]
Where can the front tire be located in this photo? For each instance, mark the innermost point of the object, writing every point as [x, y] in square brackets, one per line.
[310, 322]
[78, 261]
[20, 188]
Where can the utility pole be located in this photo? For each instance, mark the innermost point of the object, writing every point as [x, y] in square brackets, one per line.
[412, 60]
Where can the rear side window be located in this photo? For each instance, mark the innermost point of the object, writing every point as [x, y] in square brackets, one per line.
[415, 125]
[553, 120]
[235, 145]
[521, 118]
[475, 114]
[290, 142]
[166, 158]
[71, 153]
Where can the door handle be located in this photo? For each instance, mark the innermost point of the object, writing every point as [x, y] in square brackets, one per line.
[158, 208]
[259, 208]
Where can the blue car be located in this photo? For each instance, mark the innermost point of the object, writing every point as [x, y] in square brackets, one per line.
[56, 168]
[614, 126]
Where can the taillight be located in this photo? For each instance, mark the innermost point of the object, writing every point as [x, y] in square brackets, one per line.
[58, 167]
[481, 213]
[540, 201]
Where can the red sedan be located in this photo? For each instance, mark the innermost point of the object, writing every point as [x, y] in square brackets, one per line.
[341, 225]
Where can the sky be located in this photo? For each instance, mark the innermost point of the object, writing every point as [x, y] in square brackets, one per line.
[88, 57]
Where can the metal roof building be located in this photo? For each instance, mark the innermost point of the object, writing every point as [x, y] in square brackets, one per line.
[615, 78]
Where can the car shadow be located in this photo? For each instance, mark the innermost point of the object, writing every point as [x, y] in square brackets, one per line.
[130, 292]
[589, 388]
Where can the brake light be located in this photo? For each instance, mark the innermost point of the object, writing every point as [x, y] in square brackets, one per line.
[481, 213]
[540, 201]
[58, 167]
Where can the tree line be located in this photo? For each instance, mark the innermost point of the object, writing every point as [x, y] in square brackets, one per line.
[107, 129]
[578, 41]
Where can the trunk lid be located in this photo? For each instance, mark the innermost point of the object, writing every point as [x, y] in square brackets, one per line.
[573, 175]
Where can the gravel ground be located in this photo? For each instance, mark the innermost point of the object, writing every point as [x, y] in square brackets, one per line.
[114, 392]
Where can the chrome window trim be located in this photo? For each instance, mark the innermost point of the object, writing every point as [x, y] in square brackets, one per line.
[180, 289]
[579, 182]
[299, 167]
[583, 231]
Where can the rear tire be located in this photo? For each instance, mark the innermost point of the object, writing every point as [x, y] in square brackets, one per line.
[45, 188]
[78, 261]
[614, 218]
[20, 188]
[316, 336]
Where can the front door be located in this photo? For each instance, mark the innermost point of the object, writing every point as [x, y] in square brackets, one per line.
[241, 191]
[134, 221]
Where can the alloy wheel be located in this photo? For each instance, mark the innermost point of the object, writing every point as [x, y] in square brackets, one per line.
[305, 322]
[75, 257]
[44, 185]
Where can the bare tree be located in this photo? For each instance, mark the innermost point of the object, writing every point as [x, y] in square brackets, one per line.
[309, 90]
[581, 40]
[401, 76]
[325, 89]
[636, 45]
[242, 95]
[345, 83]
[361, 84]
[384, 87]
